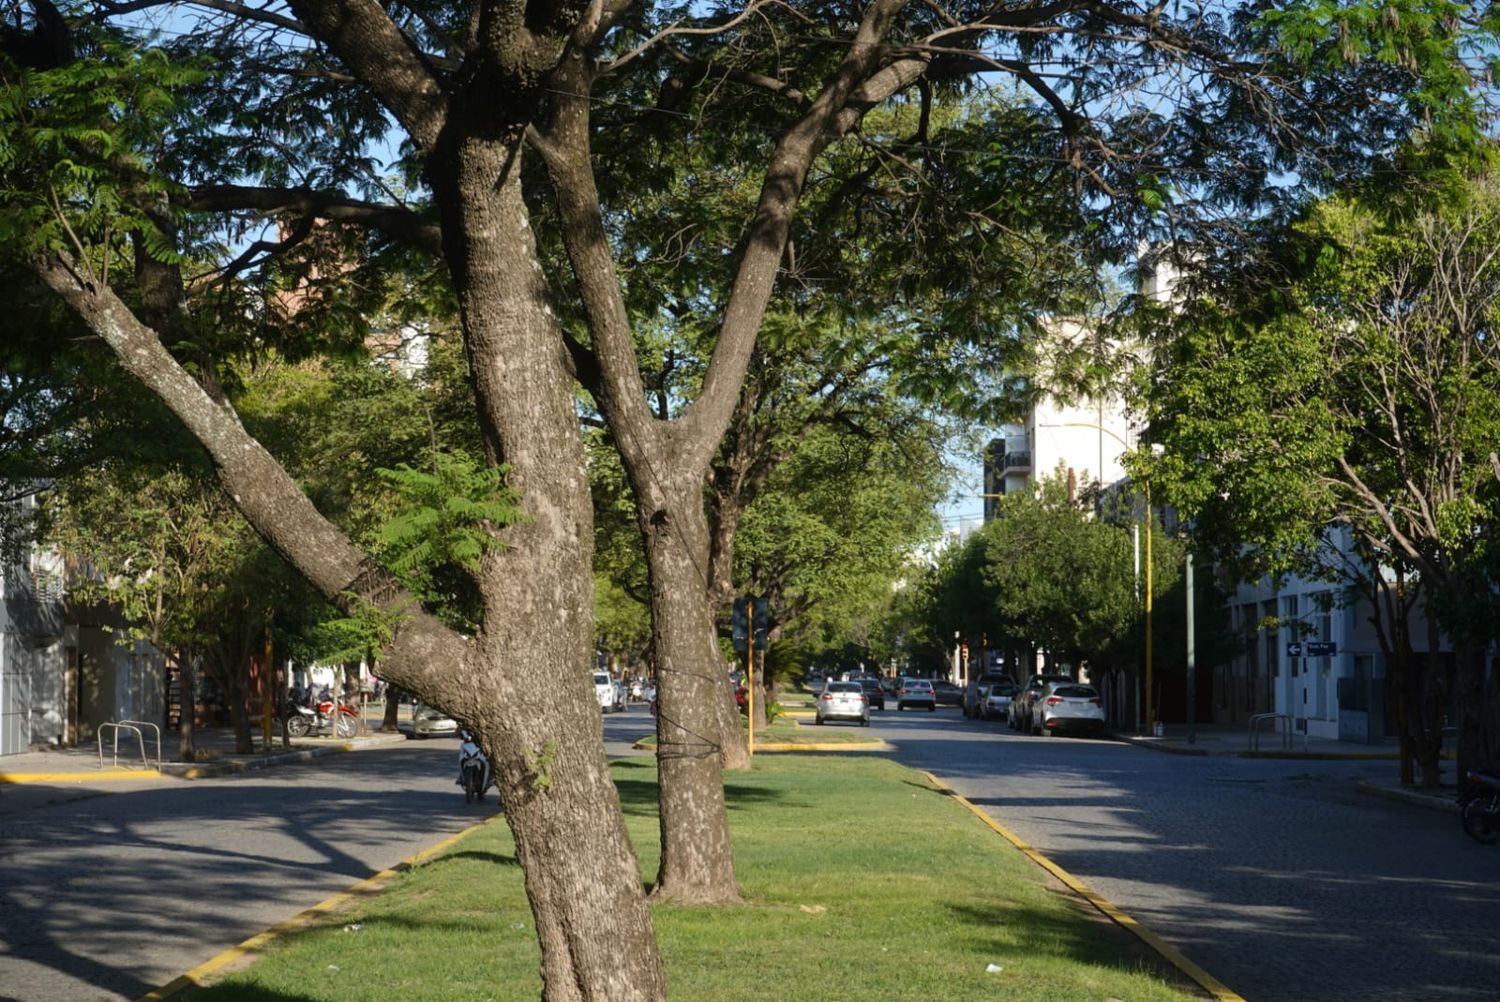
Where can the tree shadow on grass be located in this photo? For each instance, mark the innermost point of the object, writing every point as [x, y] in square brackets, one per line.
[1078, 935]
[476, 855]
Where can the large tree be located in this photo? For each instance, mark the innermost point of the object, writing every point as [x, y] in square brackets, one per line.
[1152, 113]
[1336, 411]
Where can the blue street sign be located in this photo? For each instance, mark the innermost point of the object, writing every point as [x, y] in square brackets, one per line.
[1321, 648]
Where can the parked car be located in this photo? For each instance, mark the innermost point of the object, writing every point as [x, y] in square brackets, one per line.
[430, 722]
[1023, 708]
[916, 692]
[997, 700]
[843, 701]
[974, 691]
[873, 692]
[1067, 706]
[610, 693]
[945, 693]
[890, 686]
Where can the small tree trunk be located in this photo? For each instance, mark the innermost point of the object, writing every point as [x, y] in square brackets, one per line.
[187, 749]
[697, 865]
[388, 723]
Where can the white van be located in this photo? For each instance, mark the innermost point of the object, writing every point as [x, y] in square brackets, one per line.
[610, 695]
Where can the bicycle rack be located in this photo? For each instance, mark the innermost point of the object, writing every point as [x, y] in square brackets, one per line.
[134, 727]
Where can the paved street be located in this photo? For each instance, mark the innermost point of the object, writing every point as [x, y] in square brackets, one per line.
[111, 896]
[1275, 876]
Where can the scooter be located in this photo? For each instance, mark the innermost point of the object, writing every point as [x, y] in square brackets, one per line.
[473, 770]
[1480, 806]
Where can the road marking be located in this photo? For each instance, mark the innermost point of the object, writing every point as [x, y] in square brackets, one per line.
[197, 977]
[1168, 952]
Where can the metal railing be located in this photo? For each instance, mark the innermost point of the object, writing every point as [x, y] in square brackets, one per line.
[1284, 726]
[133, 727]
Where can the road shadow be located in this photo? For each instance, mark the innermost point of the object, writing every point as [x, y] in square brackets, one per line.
[186, 862]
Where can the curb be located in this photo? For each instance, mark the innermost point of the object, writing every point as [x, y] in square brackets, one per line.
[1155, 745]
[197, 977]
[226, 767]
[1440, 802]
[875, 744]
[79, 777]
[1215, 988]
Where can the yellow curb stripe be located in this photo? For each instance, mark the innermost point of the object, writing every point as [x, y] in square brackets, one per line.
[198, 976]
[796, 746]
[1170, 953]
[77, 777]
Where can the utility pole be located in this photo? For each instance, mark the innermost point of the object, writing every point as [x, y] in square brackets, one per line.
[1192, 674]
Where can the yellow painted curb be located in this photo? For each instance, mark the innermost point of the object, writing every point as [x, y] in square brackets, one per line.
[1168, 952]
[78, 777]
[796, 746]
[198, 976]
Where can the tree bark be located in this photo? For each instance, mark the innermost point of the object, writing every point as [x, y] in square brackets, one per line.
[697, 864]
[531, 703]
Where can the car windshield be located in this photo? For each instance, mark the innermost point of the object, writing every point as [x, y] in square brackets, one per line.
[918, 684]
[845, 687]
[601, 679]
[1074, 691]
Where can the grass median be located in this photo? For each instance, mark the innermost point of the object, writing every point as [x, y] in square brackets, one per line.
[861, 882]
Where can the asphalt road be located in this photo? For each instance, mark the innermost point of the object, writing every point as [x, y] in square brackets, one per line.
[111, 896]
[1275, 876]
[119, 888]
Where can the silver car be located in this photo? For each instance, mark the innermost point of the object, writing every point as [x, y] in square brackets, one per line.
[843, 701]
[996, 700]
[1067, 706]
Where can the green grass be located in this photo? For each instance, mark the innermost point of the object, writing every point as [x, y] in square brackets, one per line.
[861, 882]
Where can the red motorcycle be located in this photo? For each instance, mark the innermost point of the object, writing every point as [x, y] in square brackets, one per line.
[322, 719]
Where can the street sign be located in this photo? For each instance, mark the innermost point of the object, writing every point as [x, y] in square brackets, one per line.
[1312, 649]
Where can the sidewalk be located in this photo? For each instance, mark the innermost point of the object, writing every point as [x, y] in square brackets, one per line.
[1236, 743]
[55, 775]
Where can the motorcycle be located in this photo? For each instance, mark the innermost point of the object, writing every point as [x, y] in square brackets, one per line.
[473, 770]
[1480, 807]
[302, 720]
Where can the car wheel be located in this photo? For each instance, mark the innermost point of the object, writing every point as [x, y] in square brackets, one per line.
[932, 707]
[819, 721]
[865, 722]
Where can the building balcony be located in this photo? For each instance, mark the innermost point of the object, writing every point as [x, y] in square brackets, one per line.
[1016, 462]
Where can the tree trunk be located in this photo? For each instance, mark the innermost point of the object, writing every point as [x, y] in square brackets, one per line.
[389, 723]
[187, 749]
[239, 714]
[697, 865]
[522, 681]
[529, 697]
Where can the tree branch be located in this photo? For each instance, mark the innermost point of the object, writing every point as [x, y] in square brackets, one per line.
[396, 221]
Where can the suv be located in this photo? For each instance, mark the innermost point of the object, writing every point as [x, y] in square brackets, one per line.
[1020, 713]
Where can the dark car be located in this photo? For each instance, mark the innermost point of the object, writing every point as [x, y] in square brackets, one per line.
[946, 693]
[874, 692]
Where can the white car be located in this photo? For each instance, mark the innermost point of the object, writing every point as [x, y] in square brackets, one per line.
[996, 700]
[843, 701]
[1067, 706]
[611, 694]
[430, 722]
